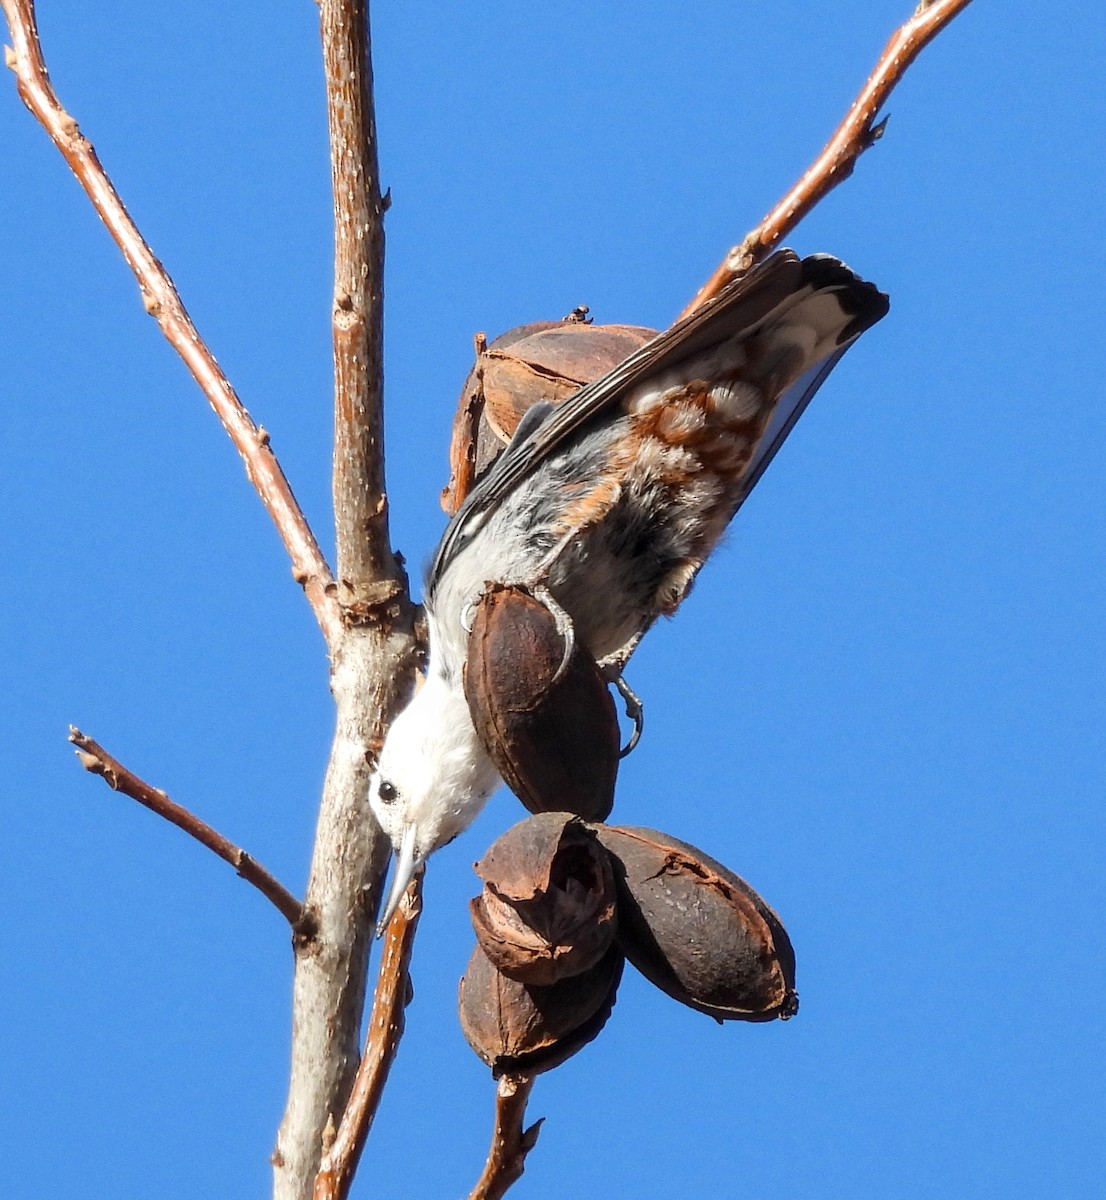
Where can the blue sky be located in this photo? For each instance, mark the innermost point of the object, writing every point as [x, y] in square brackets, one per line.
[883, 704]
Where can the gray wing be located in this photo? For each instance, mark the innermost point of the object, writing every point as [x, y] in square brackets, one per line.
[740, 308]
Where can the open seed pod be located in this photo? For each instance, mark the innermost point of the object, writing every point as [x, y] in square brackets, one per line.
[547, 910]
[546, 361]
[517, 1028]
[555, 743]
[697, 931]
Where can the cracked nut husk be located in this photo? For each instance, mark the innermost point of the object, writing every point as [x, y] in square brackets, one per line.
[554, 740]
[546, 361]
[548, 908]
[697, 931]
[518, 1028]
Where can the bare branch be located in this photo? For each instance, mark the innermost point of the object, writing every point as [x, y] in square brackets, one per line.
[95, 758]
[856, 133]
[161, 300]
[360, 503]
[510, 1142]
[372, 672]
[385, 1030]
[370, 677]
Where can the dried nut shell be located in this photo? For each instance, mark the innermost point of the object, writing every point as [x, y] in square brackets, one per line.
[555, 743]
[548, 907]
[517, 1028]
[546, 361]
[697, 931]
[550, 365]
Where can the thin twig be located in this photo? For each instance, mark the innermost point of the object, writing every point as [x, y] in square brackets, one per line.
[161, 300]
[93, 757]
[856, 133]
[366, 566]
[510, 1142]
[385, 1030]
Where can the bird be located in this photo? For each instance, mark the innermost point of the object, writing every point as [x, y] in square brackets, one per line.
[605, 508]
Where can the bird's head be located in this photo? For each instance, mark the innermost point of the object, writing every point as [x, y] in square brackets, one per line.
[432, 779]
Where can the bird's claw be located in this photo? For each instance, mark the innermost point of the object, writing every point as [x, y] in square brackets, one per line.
[635, 711]
[565, 628]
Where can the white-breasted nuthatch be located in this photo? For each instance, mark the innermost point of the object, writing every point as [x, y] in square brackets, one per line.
[607, 506]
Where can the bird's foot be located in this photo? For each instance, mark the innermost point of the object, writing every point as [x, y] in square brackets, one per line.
[565, 628]
[635, 710]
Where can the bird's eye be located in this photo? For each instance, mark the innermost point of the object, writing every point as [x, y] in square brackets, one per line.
[386, 791]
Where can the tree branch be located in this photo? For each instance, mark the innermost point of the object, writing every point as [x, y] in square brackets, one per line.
[372, 672]
[385, 1030]
[360, 504]
[510, 1142]
[161, 300]
[95, 758]
[856, 133]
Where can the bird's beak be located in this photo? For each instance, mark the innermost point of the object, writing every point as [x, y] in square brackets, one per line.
[405, 863]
